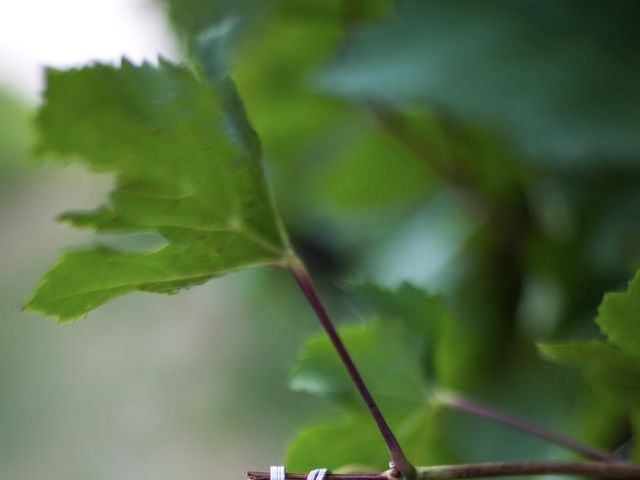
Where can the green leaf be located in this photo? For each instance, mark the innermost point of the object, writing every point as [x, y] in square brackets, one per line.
[388, 357]
[611, 368]
[185, 169]
[557, 79]
[588, 353]
[613, 374]
[420, 311]
[619, 317]
[356, 177]
[191, 17]
[328, 161]
[353, 440]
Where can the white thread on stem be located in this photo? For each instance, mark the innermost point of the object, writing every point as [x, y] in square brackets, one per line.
[317, 474]
[276, 472]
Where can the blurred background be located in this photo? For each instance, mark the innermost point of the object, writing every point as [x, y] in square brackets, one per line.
[484, 151]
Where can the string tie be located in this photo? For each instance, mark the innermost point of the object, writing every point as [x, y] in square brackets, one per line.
[317, 474]
[277, 472]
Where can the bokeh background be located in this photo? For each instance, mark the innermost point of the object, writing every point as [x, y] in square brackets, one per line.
[485, 151]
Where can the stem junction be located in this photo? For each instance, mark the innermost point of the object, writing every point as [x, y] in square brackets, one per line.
[486, 470]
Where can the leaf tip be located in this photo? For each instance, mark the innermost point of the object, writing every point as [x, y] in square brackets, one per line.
[33, 306]
[164, 62]
[50, 73]
[125, 63]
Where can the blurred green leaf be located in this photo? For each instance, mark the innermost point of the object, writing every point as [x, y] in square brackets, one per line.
[427, 431]
[594, 353]
[613, 374]
[388, 357]
[329, 161]
[191, 17]
[356, 177]
[352, 440]
[613, 368]
[619, 318]
[419, 311]
[560, 79]
[179, 174]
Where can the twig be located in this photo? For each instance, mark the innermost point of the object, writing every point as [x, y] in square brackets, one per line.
[472, 407]
[330, 476]
[398, 458]
[552, 467]
[493, 469]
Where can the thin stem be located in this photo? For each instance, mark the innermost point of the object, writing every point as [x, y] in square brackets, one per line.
[493, 469]
[330, 476]
[398, 458]
[551, 467]
[472, 407]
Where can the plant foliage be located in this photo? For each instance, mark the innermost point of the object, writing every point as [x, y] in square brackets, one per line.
[496, 140]
[181, 173]
[612, 367]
